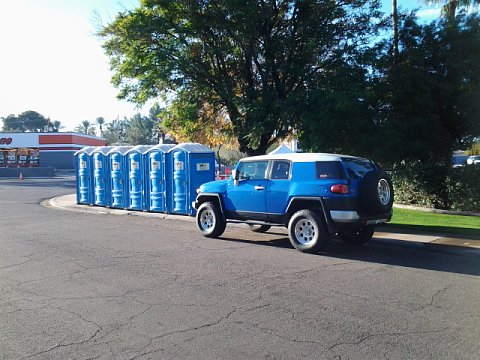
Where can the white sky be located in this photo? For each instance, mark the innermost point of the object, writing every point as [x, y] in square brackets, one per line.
[51, 62]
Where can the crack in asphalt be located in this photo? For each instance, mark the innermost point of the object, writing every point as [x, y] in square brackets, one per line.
[366, 337]
[196, 328]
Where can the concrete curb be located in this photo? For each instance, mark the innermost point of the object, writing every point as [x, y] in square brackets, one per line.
[384, 236]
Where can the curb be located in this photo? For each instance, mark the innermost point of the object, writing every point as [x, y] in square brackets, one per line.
[68, 203]
[56, 202]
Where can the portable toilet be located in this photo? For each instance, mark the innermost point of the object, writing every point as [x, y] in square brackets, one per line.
[157, 177]
[101, 176]
[136, 175]
[192, 165]
[117, 168]
[84, 175]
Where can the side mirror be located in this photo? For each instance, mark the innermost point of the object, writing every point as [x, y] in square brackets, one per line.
[235, 174]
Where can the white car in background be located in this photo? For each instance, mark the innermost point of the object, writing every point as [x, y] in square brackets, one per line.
[473, 160]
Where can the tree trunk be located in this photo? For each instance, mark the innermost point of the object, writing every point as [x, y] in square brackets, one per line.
[395, 29]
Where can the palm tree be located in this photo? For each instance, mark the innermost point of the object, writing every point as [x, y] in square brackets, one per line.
[85, 127]
[100, 122]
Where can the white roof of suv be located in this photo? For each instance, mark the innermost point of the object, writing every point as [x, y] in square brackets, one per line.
[300, 157]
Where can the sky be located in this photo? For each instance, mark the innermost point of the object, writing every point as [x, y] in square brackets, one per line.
[51, 61]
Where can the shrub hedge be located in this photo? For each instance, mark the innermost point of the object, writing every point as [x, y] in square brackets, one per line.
[437, 186]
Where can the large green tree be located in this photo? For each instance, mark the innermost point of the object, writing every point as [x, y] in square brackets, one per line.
[255, 61]
[30, 121]
[140, 130]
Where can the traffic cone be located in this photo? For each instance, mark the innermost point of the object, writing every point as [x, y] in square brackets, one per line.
[20, 177]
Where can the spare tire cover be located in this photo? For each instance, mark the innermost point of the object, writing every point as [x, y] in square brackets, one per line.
[376, 193]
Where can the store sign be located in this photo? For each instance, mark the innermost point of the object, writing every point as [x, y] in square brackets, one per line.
[6, 141]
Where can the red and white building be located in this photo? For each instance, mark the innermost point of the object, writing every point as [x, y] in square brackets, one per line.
[43, 149]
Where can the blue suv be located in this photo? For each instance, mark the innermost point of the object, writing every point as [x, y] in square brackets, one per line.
[313, 195]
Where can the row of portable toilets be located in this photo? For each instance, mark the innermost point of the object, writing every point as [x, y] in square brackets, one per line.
[160, 178]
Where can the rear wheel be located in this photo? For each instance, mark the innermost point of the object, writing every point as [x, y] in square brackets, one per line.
[210, 221]
[376, 192]
[355, 235]
[259, 228]
[307, 231]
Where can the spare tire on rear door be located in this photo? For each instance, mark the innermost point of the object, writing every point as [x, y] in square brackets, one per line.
[376, 193]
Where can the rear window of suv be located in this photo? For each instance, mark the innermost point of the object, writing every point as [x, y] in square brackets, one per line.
[329, 170]
[356, 168]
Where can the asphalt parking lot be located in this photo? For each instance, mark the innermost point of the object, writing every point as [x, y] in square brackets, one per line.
[88, 285]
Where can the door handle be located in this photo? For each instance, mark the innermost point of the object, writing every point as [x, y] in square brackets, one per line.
[259, 188]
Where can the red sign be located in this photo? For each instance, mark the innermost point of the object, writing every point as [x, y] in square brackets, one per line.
[5, 141]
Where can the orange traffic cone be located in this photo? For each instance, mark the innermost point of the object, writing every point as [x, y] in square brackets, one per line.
[20, 177]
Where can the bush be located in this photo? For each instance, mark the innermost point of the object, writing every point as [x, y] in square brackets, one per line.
[463, 188]
[437, 186]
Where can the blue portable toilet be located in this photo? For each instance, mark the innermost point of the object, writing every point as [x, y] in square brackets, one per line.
[84, 175]
[136, 175]
[157, 177]
[101, 183]
[192, 165]
[117, 169]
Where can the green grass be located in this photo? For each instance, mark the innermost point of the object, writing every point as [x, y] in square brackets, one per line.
[435, 223]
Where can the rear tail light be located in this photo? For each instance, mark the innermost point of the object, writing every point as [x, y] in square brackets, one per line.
[340, 189]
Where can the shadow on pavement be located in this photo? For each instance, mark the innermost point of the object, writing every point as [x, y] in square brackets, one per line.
[419, 229]
[377, 251]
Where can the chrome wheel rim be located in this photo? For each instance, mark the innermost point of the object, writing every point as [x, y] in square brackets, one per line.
[305, 231]
[383, 190]
[207, 219]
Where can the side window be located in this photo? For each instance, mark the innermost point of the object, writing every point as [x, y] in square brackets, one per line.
[280, 170]
[251, 170]
[329, 170]
[357, 168]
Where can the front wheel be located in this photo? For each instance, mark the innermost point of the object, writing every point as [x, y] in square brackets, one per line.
[210, 221]
[307, 231]
[356, 236]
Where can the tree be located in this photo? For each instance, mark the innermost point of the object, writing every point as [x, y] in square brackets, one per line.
[450, 7]
[100, 122]
[140, 130]
[57, 125]
[115, 131]
[157, 114]
[28, 121]
[86, 127]
[253, 61]
[190, 120]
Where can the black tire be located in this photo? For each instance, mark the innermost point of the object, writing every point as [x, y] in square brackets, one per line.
[376, 193]
[210, 221]
[259, 228]
[307, 231]
[356, 236]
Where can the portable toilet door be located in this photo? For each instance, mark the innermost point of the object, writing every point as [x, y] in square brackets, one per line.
[84, 175]
[136, 177]
[118, 177]
[101, 176]
[193, 165]
[157, 176]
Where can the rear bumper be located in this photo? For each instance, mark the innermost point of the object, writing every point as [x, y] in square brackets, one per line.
[352, 216]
